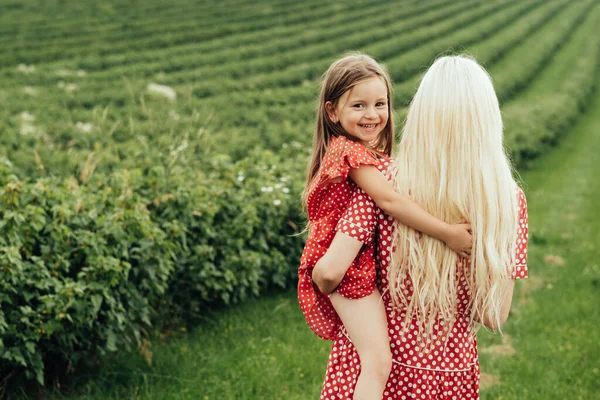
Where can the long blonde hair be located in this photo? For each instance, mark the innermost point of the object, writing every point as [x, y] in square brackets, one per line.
[342, 76]
[452, 162]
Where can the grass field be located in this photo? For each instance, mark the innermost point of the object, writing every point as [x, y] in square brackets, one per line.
[238, 79]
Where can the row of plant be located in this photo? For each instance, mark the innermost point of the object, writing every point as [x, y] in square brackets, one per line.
[339, 32]
[182, 33]
[299, 74]
[315, 45]
[511, 80]
[76, 14]
[93, 62]
[228, 49]
[139, 19]
[296, 74]
[287, 71]
[542, 117]
[497, 47]
[277, 38]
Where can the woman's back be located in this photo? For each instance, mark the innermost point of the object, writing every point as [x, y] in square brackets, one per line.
[453, 133]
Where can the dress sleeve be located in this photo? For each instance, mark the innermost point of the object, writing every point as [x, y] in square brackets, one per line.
[359, 219]
[520, 268]
[343, 155]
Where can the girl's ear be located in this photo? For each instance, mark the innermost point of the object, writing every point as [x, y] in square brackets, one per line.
[331, 113]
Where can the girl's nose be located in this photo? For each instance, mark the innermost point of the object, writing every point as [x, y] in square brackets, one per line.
[371, 113]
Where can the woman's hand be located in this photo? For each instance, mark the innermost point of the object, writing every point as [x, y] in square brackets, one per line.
[459, 239]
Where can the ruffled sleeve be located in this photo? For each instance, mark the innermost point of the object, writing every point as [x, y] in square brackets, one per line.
[344, 154]
[520, 268]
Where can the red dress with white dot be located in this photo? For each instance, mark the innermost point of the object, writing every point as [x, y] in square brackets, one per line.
[328, 199]
[449, 370]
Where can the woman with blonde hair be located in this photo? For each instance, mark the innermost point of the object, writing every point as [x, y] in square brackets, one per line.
[452, 162]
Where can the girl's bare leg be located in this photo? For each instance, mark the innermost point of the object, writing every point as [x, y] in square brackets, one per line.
[366, 323]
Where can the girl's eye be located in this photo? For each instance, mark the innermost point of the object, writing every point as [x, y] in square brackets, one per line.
[381, 104]
[357, 106]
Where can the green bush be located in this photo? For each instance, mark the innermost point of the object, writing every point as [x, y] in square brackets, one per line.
[237, 223]
[85, 266]
[81, 268]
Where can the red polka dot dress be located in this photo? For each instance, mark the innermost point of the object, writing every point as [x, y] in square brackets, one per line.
[328, 200]
[449, 369]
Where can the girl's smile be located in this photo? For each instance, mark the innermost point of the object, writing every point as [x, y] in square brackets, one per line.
[363, 110]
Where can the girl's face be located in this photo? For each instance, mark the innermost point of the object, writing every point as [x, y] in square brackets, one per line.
[363, 110]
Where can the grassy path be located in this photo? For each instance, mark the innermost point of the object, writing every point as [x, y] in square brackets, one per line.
[263, 349]
[553, 329]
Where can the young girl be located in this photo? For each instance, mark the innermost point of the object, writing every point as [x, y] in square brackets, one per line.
[353, 139]
[433, 299]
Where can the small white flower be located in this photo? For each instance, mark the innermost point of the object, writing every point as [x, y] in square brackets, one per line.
[266, 189]
[84, 127]
[278, 186]
[240, 178]
[68, 87]
[285, 190]
[31, 91]
[25, 116]
[276, 202]
[26, 69]
[163, 91]
[28, 129]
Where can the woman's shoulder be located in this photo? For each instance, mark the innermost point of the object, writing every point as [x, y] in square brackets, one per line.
[522, 199]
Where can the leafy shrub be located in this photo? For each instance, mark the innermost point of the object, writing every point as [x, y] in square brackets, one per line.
[85, 267]
[80, 270]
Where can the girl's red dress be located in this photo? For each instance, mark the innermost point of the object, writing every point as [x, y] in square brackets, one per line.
[328, 200]
[450, 370]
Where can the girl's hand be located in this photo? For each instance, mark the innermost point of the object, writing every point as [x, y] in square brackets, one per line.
[459, 239]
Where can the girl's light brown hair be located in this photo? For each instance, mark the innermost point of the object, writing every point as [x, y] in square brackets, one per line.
[342, 76]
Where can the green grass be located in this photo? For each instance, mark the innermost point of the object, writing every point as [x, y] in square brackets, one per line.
[264, 350]
[556, 315]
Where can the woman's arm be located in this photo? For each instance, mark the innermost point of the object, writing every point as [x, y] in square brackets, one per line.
[331, 268]
[504, 308]
[409, 213]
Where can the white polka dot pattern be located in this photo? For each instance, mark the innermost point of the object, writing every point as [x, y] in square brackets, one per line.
[448, 368]
[328, 199]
